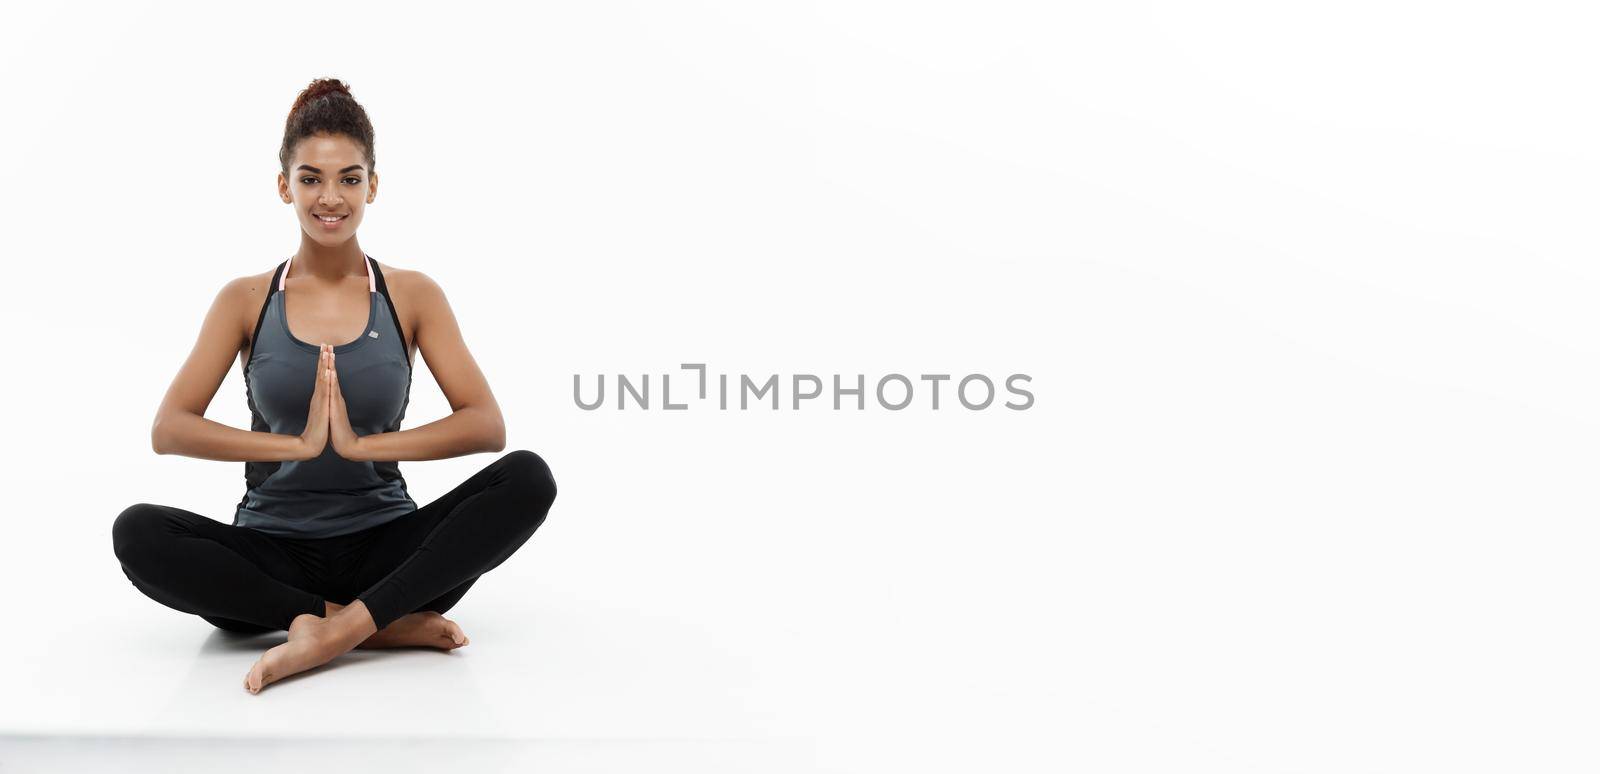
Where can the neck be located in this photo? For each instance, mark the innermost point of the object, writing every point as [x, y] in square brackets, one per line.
[329, 263]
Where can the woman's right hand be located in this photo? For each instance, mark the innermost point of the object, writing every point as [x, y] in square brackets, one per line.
[315, 436]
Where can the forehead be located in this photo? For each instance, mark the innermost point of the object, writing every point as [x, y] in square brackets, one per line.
[328, 150]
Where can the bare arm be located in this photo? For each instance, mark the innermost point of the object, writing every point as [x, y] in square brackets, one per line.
[180, 426]
[474, 424]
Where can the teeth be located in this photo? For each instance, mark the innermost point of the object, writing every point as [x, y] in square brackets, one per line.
[326, 219]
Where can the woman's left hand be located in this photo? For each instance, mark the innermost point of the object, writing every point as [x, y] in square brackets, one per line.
[345, 442]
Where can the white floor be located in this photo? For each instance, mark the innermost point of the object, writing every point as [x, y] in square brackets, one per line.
[361, 754]
[144, 688]
[748, 627]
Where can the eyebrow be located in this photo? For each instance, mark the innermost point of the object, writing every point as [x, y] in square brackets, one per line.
[318, 171]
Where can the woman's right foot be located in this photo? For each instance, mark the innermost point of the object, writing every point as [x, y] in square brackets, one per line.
[313, 641]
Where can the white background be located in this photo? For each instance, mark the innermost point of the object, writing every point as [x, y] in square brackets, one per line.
[1305, 293]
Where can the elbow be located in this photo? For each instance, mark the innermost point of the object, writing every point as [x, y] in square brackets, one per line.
[162, 439]
[497, 435]
[158, 437]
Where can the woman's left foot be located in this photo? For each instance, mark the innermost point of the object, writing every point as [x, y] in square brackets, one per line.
[423, 628]
[426, 629]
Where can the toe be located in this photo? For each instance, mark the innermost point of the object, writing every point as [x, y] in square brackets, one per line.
[258, 677]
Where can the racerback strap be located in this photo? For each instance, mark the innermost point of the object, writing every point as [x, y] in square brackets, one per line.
[372, 283]
[375, 284]
[377, 275]
[277, 284]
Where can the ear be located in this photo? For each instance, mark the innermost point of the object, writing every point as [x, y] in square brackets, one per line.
[283, 189]
[372, 187]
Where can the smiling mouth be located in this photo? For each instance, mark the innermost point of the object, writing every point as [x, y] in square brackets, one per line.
[331, 218]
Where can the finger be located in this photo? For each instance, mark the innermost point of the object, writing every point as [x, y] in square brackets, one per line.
[322, 366]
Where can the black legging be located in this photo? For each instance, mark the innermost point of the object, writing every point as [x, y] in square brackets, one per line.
[245, 580]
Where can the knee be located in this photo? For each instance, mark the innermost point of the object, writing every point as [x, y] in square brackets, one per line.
[130, 533]
[530, 471]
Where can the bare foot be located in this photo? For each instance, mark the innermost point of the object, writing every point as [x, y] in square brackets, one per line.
[425, 628]
[313, 641]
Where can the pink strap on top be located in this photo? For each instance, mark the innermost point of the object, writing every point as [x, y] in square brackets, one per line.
[372, 282]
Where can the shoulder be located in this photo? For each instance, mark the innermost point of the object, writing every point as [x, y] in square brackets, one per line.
[251, 286]
[411, 287]
[421, 303]
[242, 298]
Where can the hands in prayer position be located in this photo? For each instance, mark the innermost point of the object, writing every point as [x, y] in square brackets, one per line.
[327, 419]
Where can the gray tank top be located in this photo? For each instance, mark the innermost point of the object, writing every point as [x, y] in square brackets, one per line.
[328, 495]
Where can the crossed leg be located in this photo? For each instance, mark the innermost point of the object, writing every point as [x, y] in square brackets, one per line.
[423, 560]
[237, 578]
[245, 581]
[418, 567]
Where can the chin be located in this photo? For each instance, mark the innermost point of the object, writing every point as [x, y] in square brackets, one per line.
[328, 240]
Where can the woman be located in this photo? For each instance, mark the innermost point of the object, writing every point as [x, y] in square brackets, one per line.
[326, 543]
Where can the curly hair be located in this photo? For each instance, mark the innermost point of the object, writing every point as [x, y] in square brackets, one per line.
[326, 107]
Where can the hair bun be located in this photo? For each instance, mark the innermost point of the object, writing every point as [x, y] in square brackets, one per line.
[319, 88]
[326, 107]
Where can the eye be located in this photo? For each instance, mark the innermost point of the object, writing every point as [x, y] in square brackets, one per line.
[353, 180]
[308, 181]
